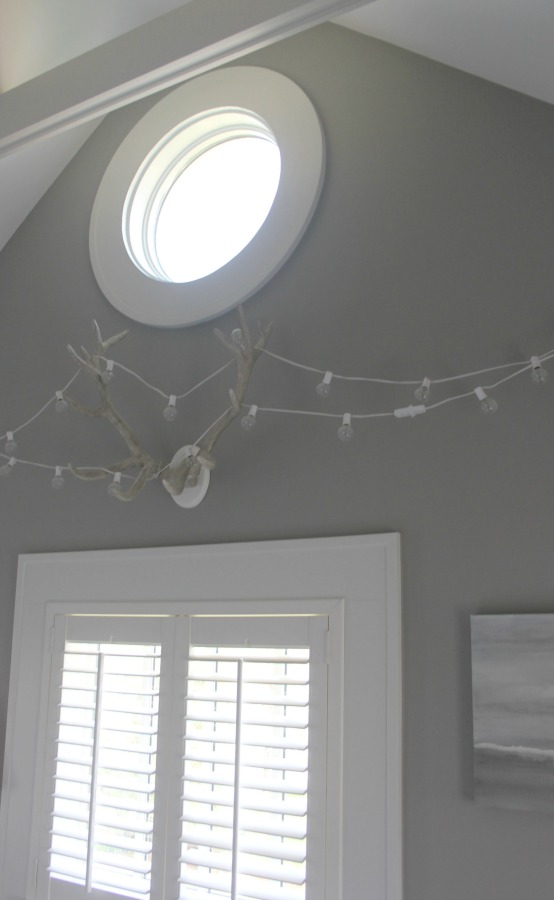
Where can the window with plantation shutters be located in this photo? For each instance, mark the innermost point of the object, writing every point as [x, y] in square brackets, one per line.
[192, 723]
[218, 713]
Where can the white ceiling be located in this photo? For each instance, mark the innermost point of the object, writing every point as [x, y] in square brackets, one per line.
[509, 42]
[504, 41]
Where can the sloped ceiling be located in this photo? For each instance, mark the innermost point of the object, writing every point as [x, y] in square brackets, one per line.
[503, 41]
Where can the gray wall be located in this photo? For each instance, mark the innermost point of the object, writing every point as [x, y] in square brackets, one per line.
[430, 253]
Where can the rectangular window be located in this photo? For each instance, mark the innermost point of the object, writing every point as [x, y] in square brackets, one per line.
[188, 723]
[215, 711]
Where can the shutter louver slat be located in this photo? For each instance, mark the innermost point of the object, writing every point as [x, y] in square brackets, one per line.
[289, 852]
[299, 742]
[292, 827]
[291, 806]
[266, 868]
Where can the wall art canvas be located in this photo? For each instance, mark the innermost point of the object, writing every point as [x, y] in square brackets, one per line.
[513, 710]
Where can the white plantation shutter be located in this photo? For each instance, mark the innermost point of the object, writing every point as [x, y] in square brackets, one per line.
[105, 688]
[247, 752]
[236, 708]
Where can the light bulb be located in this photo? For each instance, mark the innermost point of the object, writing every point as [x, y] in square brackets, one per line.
[114, 486]
[6, 469]
[61, 402]
[170, 412]
[323, 389]
[248, 421]
[10, 446]
[423, 392]
[58, 480]
[108, 372]
[488, 404]
[237, 337]
[539, 375]
[345, 432]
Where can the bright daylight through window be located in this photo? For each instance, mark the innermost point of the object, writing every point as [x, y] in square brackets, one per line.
[201, 195]
[207, 196]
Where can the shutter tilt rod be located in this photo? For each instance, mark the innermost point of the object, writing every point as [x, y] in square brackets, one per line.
[236, 797]
[94, 772]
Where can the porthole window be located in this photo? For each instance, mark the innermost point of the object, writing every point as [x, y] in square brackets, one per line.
[207, 196]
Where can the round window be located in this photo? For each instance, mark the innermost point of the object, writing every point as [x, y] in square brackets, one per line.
[201, 195]
[207, 196]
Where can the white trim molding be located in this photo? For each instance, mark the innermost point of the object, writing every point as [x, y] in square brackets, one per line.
[357, 578]
[183, 43]
[286, 112]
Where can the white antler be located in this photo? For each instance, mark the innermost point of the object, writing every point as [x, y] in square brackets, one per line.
[186, 473]
[148, 467]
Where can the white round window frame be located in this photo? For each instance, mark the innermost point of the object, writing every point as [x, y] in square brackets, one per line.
[293, 120]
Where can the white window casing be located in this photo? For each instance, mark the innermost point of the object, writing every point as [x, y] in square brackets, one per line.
[216, 106]
[225, 616]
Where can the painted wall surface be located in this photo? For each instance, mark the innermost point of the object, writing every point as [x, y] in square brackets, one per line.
[430, 254]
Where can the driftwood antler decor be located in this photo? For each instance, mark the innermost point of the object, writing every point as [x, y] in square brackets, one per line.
[186, 476]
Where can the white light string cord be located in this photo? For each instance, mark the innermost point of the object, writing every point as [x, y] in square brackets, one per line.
[323, 389]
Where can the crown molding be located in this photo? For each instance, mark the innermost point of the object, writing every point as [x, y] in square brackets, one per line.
[183, 43]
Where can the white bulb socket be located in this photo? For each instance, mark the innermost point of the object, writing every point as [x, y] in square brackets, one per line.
[61, 402]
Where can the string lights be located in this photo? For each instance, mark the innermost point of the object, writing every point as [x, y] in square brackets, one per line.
[421, 392]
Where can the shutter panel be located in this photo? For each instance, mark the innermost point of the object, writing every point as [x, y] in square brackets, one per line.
[246, 826]
[104, 765]
[245, 775]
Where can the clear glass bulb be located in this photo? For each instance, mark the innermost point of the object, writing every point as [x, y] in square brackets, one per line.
[58, 480]
[170, 412]
[323, 389]
[61, 405]
[488, 406]
[539, 375]
[236, 337]
[345, 432]
[11, 445]
[248, 422]
[6, 470]
[107, 376]
[115, 485]
[423, 392]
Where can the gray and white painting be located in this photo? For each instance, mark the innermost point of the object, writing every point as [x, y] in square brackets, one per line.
[513, 710]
